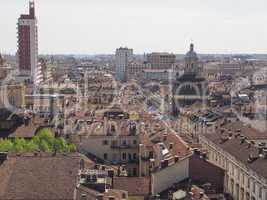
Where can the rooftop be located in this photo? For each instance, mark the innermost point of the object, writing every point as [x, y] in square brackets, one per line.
[134, 185]
[241, 149]
[42, 176]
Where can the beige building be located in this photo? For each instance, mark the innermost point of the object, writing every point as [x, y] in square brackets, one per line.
[161, 60]
[241, 151]
[12, 96]
[45, 104]
[136, 68]
[145, 148]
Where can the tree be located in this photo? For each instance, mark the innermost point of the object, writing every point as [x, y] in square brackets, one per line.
[44, 146]
[5, 145]
[30, 147]
[44, 141]
[19, 145]
[71, 148]
[44, 135]
[60, 145]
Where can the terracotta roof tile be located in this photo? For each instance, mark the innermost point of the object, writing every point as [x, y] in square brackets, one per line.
[134, 185]
[39, 177]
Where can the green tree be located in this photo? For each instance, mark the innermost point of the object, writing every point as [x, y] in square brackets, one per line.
[44, 146]
[30, 147]
[71, 148]
[5, 145]
[60, 145]
[19, 145]
[44, 136]
[44, 141]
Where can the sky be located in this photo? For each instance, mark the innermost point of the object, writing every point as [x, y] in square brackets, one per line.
[101, 26]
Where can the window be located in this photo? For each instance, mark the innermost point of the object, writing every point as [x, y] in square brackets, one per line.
[129, 156]
[248, 183]
[105, 142]
[105, 156]
[134, 142]
[151, 154]
[134, 156]
[254, 187]
[134, 172]
[233, 170]
[123, 156]
[260, 192]
[112, 128]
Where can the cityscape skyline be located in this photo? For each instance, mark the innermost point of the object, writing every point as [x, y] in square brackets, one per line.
[237, 27]
[83, 118]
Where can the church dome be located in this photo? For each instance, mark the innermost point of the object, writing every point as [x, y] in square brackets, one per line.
[191, 54]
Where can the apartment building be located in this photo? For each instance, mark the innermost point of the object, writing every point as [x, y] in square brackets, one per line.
[27, 42]
[123, 56]
[159, 60]
[145, 147]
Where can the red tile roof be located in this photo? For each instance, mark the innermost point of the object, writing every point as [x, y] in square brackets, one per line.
[135, 186]
[39, 177]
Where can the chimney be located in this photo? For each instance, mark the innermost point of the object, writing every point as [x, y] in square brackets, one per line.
[163, 164]
[167, 163]
[132, 129]
[164, 136]
[82, 164]
[171, 145]
[243, 139]
[201, 194]
[26, 121]
[176, 159]
[264, 152]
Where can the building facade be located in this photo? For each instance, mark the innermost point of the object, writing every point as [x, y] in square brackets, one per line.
[122, 58]
[161, 60]
[27, 42]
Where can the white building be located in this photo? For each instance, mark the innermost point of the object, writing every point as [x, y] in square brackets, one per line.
[122, 58]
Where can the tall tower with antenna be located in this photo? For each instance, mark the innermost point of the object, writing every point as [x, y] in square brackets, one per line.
[27, 42]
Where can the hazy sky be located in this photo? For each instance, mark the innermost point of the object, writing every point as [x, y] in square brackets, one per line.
[100, 26]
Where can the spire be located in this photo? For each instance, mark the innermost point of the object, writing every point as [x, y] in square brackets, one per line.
[191, 47]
